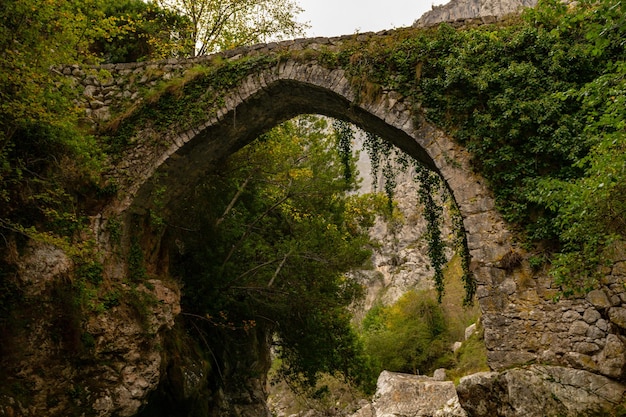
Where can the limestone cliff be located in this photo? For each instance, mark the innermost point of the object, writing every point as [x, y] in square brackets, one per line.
[471, 9]
[400, 260]
[62, 354]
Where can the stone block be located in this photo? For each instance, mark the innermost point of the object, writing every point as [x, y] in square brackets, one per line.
[599, 299]
[439, 374]
[591, 315]
[578, 328]
[612, 359]
[617, 315]
[470, 330]
[593, 332]
[586, 348]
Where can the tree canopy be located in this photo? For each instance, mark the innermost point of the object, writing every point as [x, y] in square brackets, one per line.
[275, 235]
[226, 24]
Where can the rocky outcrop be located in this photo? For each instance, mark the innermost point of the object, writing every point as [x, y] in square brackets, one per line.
[460, 10]
[63, 353]
[403, 395]
[538, 391]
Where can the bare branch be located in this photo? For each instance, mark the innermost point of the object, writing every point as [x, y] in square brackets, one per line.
[233, 201]
[251, 226]
[269, 284]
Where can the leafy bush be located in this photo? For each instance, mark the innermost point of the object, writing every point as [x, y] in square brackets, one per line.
[409, 336]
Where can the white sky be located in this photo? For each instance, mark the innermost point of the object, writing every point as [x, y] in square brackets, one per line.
[346, 17]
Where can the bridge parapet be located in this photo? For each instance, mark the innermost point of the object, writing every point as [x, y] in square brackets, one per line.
[109, 88]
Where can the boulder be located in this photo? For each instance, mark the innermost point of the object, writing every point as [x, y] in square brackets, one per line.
[537, 391]
[403, 395]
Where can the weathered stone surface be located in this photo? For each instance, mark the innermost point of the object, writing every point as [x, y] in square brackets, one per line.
[538, 391]
[470, 330]
[366, 411]
[617, 315]
[468, 9]
[402, 395]
[439, 374]
[40, 265]
[598, 299]
[612, 359]
[591, 315]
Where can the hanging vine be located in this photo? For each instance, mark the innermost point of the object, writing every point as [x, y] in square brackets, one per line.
[381, 151]
[460, 241]
[433, 212]
[373, 145]
[345, 138]
[385, 162]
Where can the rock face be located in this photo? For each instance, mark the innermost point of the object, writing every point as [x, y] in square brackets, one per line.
[402, 395]
[58, 360]
[400, 260]
[457, 10]
[538, 391]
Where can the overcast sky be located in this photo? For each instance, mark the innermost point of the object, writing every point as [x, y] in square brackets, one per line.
[345, 17]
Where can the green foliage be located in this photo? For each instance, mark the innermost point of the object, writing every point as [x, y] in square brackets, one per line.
[134, 30]
[541, 109]
[409, 336]
[429, 182]
[141, 303]
[47, 164]
[228, 24]
[471, 357]
[462, 250]
[276, 233]
[136, 267]
[91, 271]
[345, 137]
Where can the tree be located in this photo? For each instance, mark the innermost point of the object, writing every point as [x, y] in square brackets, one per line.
[138, 31]
[276, 234]
[226, 24]
[39, 134]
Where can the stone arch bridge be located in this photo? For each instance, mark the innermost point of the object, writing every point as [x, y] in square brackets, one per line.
[175, 118]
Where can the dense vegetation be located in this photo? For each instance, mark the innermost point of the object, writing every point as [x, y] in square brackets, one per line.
[541, 107]
[538, 100]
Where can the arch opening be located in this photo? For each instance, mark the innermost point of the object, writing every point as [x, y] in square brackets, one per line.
[241, 291]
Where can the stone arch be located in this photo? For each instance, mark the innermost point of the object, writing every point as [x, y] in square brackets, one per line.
[265, 99]
[521, 321]
[269, 97]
